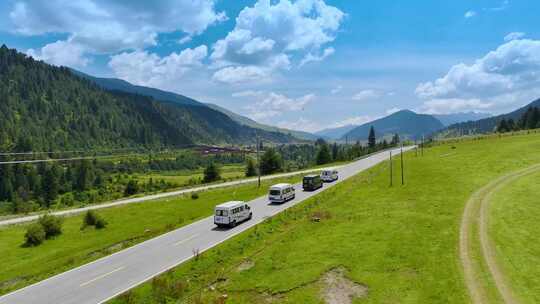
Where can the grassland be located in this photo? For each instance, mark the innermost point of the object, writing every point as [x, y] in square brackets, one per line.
[128, 225]
[513, 227]
[191, 177]
[400, 242]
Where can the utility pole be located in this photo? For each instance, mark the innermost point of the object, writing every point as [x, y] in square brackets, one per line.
[402, 175]
[415, 148]
[391, 173]
[259, 164]
[422, 148]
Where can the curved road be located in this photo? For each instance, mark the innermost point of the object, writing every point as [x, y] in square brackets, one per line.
[110, 276]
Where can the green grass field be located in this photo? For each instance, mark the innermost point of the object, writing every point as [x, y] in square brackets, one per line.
[182, 178]
[400, 242]
[514, 229]
[128, 225]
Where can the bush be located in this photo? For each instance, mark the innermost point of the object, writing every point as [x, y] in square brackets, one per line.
[100, 223]
[211, 173]
[52, 225]
[132, 188]
[194, 195]
[35, 235]
[91, 218]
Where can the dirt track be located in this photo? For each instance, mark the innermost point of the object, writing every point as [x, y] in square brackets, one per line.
[476, 210]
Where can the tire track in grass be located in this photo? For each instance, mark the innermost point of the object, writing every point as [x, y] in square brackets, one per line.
[480, 199]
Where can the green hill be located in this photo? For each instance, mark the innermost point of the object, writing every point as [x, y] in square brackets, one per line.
[43, 107]
[489, 124]
[405, 123]
[160, 95]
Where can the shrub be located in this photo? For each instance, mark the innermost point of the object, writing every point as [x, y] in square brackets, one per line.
[100, 223]
[52, 225]
[91, 218]
[35, 235]
[211, 173]
[132, 188]
[194, 195]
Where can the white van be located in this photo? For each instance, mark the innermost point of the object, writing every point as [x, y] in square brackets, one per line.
[329, 175]
[232, 213]
[281, 193]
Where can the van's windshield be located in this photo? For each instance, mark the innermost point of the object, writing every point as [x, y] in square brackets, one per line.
[221, 212]
[275, 192]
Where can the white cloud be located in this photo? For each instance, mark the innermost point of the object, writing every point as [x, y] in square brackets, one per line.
[470, 14]
[267, 105]
[104, 27]
[248, 93]
[268, 33]
[453, 105]
[143, 68]
[185, 39]
[314, 58]
[392, 110]
[353, 121]
[514, 36]
[240, 74]
[59, 53]
[367, 95]
[336, 90]
[512, 69]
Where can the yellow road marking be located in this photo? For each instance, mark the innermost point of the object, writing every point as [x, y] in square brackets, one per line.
[101, 276]
[186, 240]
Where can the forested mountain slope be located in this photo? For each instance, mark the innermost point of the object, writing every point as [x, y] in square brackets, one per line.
[44, 107]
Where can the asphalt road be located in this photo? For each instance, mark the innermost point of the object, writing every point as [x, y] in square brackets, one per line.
[69, 212]
[110, 276]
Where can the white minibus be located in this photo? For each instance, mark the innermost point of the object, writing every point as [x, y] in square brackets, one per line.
[329, 175]
[281, 193]
[232, 213]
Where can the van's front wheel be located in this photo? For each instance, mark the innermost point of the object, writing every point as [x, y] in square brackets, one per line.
[250, 216]
[233, 224]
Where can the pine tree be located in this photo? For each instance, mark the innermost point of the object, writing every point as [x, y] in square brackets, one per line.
[372, 140]
[323, 155]
[211, 173]
[271, 162]
[51, 185]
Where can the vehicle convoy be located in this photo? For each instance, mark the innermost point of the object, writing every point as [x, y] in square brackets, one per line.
[329, 176]
[312, 182]
[281, 193]
[232, 213]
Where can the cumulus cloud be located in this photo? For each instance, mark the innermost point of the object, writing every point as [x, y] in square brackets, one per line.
[392, 110]
[143, 68]
[61, 53]
[267, 34]
[470, 14]
[301, 124]
[453, 105]
[103, 27]
[513, 68]
[266, 105]
[367, 95]
[314, 58]
[514, 36]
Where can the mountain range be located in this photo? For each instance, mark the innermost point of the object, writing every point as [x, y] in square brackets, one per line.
[44, 107]
[487, 124]
[160, 95]
[406, 123]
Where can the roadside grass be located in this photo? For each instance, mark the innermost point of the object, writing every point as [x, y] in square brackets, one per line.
[190, 177]
[128, 225]
[513, 227]
[401, 242]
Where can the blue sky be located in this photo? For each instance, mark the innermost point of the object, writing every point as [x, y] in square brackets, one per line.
[306, 64]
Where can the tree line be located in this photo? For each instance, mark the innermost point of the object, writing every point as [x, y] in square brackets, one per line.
[528, 120]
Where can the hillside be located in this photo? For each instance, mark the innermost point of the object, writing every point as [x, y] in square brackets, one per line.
[405, 123]
[160, 95]
[450, 119]
[487, 124]
[335, 133]
[44, 107]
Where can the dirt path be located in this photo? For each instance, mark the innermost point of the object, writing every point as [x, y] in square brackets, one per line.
[480, 200]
